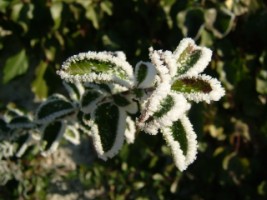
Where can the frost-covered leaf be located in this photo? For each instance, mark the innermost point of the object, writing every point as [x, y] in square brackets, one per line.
[12, 112]
[132, 108]
[97, 67]
[55, 107]
[121, 100]
[130, 130]
[190, 58]
[145, 74]
[105, 88]
[51, 135]
[167, 110]
[153, 102]
[84, 122]
[90, 99]
[119, 54]
[21, 122]
[108, 127]
[181, 138]
[74, 89]
[22, 144]
[199, 88]
[72, 135]
[164, 63]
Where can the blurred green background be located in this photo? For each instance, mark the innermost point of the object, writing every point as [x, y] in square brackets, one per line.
[37, 36]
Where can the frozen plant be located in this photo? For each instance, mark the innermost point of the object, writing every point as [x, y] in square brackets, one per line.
[111, 102]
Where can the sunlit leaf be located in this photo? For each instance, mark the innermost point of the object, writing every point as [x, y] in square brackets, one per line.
[106, 6]
[39, 86]
[93, 16]
[72, 135]
[97, 67]
[200, 88]
[190, 58]
[191, 85]
[15, 65]
[56, 10]
[261, 82]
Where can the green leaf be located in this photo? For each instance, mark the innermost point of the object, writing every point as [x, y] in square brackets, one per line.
[4, 5]
[56, 10]
[219, 22]
[145, 74]
[181, 139]
[261, 82]
[191, 85]
[141, 73]
[3, 129]
[191, 22]
[39, 86]
[52, 133]
[75, 90]
[164, 112]
[72, 135]
[106, 117]
[199, 88]
[105, 88]
[179, 134]
[188, 59]
[165, 106]
[93, 16]
[121, 100]
[21, 122]
[108, 133]
[15, 65]
[89, 100]
[54, 108]
[106, 6]
[97, 67]
[83, 120]
[22, 144]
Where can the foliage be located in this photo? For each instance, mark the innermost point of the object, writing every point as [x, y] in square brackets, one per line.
[232, 133]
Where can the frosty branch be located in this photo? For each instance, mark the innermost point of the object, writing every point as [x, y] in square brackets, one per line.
[111, 102]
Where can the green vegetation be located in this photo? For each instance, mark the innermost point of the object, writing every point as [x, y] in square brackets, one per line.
[37, 36]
